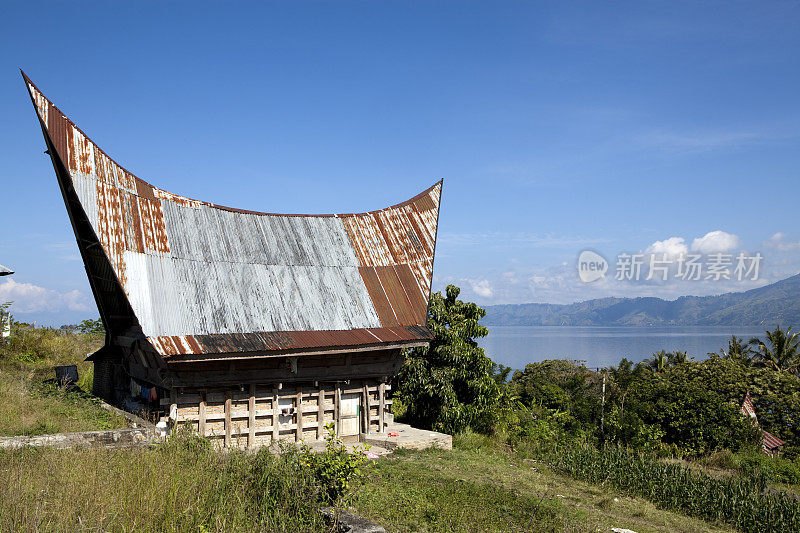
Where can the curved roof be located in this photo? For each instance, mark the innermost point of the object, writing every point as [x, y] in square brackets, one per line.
[208, 279]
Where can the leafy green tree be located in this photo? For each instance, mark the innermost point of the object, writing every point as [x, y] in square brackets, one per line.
[501, 373]
[691, 417]
[624, 373]
[564, 387]
[450, 385]
[94, 327]
[775, 394]
[781, 351]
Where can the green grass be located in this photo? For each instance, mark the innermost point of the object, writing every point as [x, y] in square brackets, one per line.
[29, 405]
[179, 486]
[480, 486]
[184, 486]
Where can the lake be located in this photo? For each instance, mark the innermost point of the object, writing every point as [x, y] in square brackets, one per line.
[599, 346]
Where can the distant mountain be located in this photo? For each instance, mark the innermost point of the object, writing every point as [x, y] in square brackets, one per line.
[778, 303]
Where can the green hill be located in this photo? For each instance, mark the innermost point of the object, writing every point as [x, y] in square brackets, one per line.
[778, 303]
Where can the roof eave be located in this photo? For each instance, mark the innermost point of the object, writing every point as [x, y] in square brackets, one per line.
[328, 350]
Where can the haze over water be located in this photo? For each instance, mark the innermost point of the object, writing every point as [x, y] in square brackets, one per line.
[601, 346]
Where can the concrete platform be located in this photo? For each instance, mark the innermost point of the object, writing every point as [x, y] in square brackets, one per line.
[409, 438]
[382, 444]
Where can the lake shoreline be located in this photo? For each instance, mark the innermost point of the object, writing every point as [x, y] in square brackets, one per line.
[601, 346]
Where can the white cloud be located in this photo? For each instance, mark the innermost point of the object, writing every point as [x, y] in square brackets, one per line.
[30, 298]
[481, 287]
[715, 241]
[673, 247]
[510, 276]
[778, 242]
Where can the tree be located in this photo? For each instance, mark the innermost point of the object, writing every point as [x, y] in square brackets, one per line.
[775, 394]
[677, 358]
[622, 376]
[624, 373]
[783, 352]
[686, 414]
[94, 327]
[450, 386]
[563, 386]
[659, 362]
[738, 351]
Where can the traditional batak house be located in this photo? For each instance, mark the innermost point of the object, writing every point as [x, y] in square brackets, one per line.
[770, 444]
[248, 327]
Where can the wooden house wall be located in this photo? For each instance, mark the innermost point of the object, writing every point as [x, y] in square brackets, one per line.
[246, 417]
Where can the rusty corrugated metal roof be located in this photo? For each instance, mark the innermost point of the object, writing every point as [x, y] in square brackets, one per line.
[769, 442]
[747, 408]
[203, 278]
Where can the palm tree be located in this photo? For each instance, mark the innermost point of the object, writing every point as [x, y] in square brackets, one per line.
[740, 351]
[622, 370]
[677, 358]
[659, 362]
[783, 352]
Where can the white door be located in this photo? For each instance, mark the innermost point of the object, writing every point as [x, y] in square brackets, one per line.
[349, 414]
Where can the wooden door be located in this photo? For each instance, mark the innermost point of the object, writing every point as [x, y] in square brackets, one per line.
[349, 411]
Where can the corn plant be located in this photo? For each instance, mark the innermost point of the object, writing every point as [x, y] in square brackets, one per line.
[741, 502]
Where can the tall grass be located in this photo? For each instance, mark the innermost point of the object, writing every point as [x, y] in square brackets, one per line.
[31, 406]
[39, 349]
[741, 502]
[181, 485]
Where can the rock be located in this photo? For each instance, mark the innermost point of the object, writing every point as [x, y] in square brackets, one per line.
[347, 522]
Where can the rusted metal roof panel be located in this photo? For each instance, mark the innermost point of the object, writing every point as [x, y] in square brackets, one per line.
[283, 341]
[203, 278]
[770, 441]
[747, 408]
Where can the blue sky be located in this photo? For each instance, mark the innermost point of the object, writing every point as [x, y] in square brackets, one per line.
[557, 127]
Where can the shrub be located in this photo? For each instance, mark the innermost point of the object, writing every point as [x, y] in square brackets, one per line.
[719, 459]
[335, 470]
[756, 465]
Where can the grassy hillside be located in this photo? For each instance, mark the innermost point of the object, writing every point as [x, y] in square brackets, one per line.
[180, 486]
[29, 405]
[775, 304]
[497, 483]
